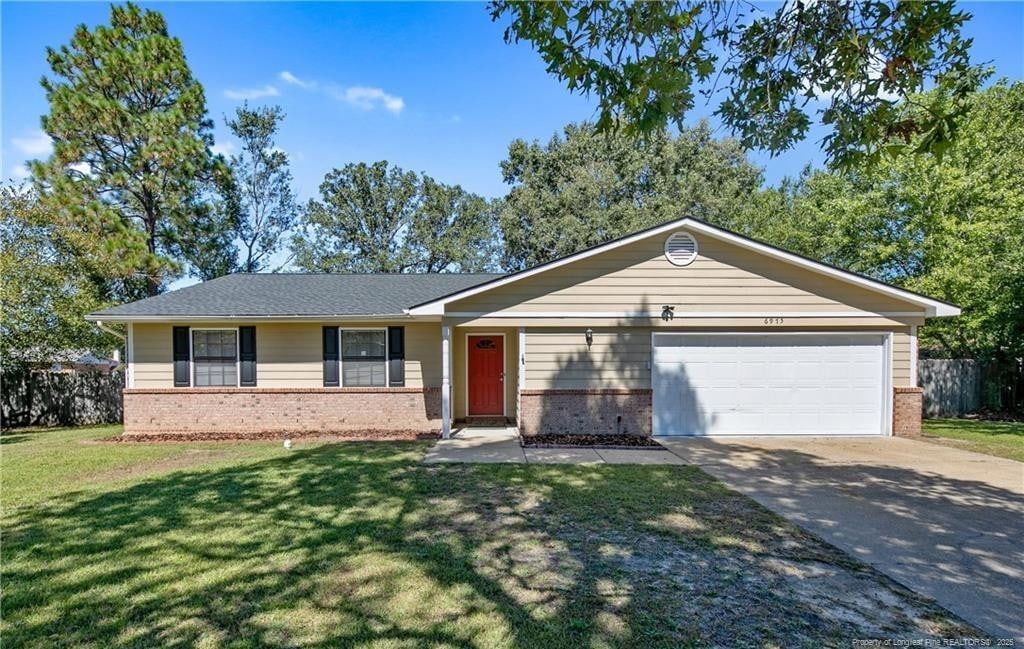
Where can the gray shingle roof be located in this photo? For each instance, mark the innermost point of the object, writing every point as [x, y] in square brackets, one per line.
[297, 294]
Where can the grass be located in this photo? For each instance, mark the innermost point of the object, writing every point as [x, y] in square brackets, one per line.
[999, 438]
[360, 545]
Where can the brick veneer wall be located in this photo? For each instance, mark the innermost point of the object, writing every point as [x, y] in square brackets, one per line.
[595, 412]
[280, 410]
[907, 404]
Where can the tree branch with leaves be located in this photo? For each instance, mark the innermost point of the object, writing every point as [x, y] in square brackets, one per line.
[851, 65]
[266, 205]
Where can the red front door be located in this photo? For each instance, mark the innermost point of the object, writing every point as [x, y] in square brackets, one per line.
[486, 382]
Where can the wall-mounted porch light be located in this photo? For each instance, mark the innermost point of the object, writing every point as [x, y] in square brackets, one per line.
[589, 335]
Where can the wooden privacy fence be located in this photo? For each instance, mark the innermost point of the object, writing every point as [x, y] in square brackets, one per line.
[42, 398]
[954, 387]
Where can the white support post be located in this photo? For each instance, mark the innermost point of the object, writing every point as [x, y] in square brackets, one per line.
[129, 352]
[520, 374]
[446, 381]
[913, 356]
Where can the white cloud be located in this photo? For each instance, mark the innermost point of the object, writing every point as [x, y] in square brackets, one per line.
[252, 93]
[21, 172]
[362, 97]
[83, 168]
[223, 148]
[290, 78]
[37, 144]
[875, 70]
[368, 98]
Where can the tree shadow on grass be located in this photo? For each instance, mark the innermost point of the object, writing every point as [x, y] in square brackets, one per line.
[355, 544]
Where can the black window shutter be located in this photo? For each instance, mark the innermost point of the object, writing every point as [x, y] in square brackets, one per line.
[247, 356]
[396, 356]
[331, 357]
[182, 376]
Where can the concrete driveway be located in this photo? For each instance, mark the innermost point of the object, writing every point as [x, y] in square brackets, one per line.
[947, 523]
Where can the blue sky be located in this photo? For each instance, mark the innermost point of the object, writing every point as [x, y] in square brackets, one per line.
[430, 87]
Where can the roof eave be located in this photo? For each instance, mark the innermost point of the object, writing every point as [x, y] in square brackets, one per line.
[942, 310]
[100, 317]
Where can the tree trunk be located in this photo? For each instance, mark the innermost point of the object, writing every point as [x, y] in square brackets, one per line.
[152, 282]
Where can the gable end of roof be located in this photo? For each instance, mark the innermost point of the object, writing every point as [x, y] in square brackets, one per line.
[932, 306]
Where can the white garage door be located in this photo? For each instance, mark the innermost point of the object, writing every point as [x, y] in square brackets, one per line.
[776, 384]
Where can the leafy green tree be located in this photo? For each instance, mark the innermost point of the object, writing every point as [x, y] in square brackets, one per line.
[452, 230]
[45, 291]
[380, 219]
[263, 193]
[846, 63]
[131, 156]
[950, 227]
[584, 187]
[357, 224]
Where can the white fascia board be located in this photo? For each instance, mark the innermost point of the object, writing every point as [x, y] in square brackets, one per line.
[931, 307]
[683, 315]
[259, 318]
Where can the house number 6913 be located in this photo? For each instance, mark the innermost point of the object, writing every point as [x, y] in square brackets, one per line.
[773, 321]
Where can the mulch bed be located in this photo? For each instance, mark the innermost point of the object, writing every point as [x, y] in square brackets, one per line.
[346, 436]
[558, 440]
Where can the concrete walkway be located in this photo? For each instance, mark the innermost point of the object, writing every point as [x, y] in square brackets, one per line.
[501, 445]
[947, 523]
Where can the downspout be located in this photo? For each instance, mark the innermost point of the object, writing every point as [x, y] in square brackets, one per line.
[117, 352]
[99, 323]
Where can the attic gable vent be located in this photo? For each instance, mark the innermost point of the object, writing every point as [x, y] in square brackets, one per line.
[680, 249]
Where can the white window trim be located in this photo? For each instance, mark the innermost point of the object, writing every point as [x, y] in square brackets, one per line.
[341, 357]
[192, 358]
[504, 371]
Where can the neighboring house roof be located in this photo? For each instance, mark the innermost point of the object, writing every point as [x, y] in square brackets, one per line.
[297, 295]
[932, 306]
[45, 356]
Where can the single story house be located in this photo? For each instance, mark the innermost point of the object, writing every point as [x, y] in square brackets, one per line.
[680, 329]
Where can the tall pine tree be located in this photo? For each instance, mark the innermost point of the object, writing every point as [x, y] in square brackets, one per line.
[131, 162]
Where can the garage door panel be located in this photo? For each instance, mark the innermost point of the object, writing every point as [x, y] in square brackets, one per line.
[815, 384]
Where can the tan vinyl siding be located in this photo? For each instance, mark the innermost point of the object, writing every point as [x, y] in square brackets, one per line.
[423, 355]
[153, 358]
[901, 358]
[638, 278]
[620, 358]
[559, 359]
[288, 355]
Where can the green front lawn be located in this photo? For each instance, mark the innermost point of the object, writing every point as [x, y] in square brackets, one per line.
[358, 544]
[999, 438]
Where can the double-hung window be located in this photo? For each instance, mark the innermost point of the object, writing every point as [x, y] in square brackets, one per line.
[363, 357]
[215, 357]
